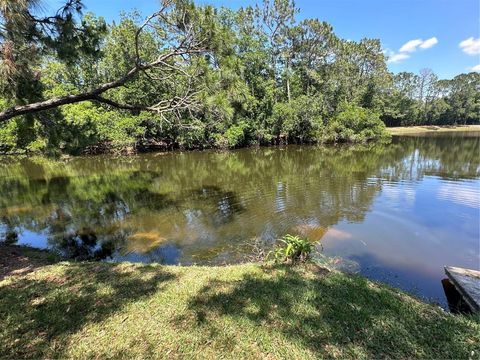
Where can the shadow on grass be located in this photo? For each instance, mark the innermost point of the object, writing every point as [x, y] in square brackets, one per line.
[20, 260]
[39, 313]
[335, 315]
[240, 310]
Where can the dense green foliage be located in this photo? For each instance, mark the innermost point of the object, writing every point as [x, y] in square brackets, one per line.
[425, 100]
[266, 79]
[354, 124]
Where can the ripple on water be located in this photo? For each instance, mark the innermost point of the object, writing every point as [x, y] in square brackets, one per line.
[465, 193]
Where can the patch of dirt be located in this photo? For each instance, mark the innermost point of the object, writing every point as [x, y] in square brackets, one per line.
[318, 270]
[13, 261]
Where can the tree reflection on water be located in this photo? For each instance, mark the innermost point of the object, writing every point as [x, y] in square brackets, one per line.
[206, 205]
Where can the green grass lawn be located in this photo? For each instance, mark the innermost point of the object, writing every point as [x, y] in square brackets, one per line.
[102, 310]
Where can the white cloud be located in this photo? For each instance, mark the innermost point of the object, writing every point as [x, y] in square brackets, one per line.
[395, 58]
[411, 46]
[429, 43]
[470, 46]
[476, 68]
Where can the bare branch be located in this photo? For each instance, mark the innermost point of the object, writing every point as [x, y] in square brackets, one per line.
[182, 44]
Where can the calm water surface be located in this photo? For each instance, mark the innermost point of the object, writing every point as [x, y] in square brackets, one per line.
[396, 213]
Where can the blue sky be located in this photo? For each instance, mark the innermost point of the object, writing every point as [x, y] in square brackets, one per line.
[443, 35]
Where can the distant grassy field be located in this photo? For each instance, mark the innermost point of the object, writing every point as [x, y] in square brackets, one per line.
[405, 130]
[103, 310]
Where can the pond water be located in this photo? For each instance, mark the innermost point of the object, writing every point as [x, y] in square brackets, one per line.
[396, 213]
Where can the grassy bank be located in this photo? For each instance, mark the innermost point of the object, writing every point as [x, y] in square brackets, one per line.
[100, 310]
[406, 130]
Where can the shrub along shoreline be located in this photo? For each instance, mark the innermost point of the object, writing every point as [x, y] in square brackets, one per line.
[335, 134]
[353, 124]
[124, 310]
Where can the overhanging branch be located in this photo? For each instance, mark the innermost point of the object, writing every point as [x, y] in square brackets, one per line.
[183, 43]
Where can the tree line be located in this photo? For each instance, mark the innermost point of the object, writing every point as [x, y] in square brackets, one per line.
[199, 76]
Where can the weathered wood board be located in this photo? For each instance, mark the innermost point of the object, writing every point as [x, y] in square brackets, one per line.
[467, 282]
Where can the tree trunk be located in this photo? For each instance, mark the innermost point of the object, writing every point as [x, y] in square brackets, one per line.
[288, 79]
[68, 99]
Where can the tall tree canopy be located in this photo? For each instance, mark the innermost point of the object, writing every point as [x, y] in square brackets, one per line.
[195, 76]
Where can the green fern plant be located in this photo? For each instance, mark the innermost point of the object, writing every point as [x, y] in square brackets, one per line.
[293, 249]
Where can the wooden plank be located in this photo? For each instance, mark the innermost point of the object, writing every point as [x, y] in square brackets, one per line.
[467, 282]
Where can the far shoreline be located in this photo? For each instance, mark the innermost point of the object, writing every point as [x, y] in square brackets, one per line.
[413, 130]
